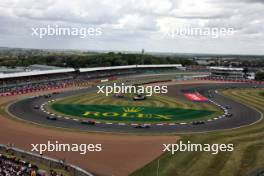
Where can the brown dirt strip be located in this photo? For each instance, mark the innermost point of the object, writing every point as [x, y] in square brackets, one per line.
[121, 155]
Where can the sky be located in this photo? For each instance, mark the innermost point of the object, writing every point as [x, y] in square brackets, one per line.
[131, 25]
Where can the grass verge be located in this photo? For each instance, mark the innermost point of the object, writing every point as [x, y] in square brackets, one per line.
[247, 156]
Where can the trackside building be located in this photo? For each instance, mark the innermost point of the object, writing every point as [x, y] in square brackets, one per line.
[227, 73]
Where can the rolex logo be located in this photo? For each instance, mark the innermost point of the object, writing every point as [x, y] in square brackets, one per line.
[132, 109]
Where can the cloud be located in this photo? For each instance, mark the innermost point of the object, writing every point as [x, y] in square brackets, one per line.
[131, 23]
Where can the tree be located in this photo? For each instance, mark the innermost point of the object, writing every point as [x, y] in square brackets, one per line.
[245, 71]
[260, 75]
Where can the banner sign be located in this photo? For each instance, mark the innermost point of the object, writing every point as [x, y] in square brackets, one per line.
[195, 97]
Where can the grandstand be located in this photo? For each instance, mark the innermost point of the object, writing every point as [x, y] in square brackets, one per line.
[227, 73]
[14, 161]
[12, 166]
[36, 80]
[122, 70]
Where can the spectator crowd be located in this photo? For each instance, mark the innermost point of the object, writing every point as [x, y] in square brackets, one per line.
[12, 166]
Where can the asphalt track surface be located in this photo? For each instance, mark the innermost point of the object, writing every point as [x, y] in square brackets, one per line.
[242, 115]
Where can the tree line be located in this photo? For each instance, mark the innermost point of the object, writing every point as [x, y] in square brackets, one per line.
[96, 60]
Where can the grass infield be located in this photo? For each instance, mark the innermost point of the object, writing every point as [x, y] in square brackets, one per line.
[156, 108]
[247, 157]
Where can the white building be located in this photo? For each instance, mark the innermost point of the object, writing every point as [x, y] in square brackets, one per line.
[227, 73]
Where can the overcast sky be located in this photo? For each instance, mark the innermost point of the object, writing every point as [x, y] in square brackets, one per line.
[135, 24]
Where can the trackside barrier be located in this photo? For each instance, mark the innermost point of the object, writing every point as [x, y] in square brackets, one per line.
[29, 90]
[231, 80]
[33, 90]
[113, 78]
[47, 161]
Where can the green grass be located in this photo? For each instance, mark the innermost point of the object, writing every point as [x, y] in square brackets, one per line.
[247, 156]
[131, 113]
[181, 110]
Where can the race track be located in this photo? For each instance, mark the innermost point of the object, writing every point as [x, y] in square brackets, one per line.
[242, 115]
